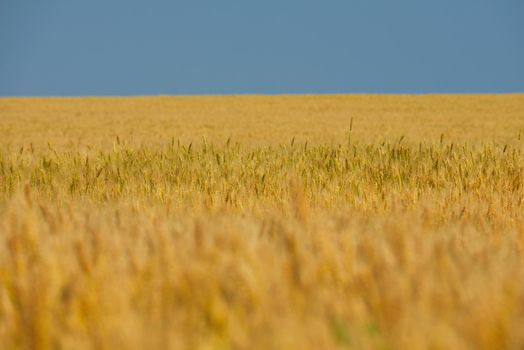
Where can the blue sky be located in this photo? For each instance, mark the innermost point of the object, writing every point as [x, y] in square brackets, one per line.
[110, 47]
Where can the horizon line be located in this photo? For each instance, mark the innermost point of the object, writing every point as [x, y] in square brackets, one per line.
[263, 95]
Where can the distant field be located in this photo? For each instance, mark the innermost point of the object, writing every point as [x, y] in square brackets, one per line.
[256, 222]
[259, 120]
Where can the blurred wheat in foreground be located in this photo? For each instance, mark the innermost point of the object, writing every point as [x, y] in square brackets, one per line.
[389, 243]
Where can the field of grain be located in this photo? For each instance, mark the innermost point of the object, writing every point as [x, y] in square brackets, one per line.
[258, 222]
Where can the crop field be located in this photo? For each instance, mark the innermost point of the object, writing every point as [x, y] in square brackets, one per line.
[262, 222]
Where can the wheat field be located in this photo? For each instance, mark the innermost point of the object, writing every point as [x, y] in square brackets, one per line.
[262, 222]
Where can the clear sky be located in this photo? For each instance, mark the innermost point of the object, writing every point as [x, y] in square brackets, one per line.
[130, 47]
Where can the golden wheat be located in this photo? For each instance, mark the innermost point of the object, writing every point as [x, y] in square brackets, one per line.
[262, 223]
